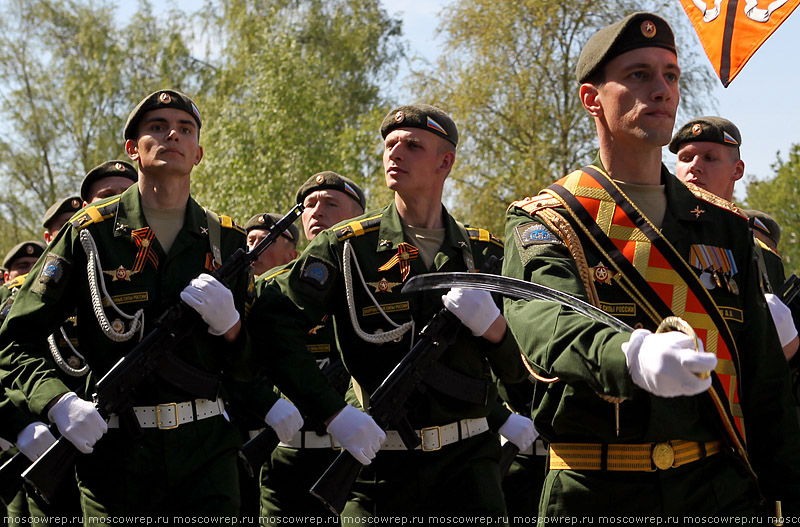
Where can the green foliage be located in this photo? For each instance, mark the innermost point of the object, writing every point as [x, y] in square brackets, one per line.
[507, 77]
[778, 198]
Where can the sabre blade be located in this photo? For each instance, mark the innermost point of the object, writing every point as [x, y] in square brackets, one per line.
[513, 288]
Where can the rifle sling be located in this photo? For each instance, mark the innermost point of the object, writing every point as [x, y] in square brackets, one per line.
[457, 385]
[183, 375]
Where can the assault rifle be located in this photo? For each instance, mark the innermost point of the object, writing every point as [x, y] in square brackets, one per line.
[114, 392]
[387, 404]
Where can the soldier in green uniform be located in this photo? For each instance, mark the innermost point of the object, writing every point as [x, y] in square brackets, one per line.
[58, 214]
[635, 423]
[354, 272]
[281, 252]
[106, 180]
[145, 249]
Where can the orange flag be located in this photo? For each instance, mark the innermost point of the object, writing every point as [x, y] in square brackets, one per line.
[732, 30]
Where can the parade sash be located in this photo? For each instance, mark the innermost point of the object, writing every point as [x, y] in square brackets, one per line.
[654, 274]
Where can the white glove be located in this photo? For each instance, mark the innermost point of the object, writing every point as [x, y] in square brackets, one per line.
[285, 419]
[34, 440]
[475, 308]
[358, 433]
[520, 431]
[5, 445]
[206, 295]
[78, 421]
[782, 317]
[665, 364]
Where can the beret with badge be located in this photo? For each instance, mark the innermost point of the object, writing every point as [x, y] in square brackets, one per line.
[107, 169]
[422, 116]
[333, 181]
[764, 223]
[71, 204]
[638, 30]
[24, 249]
[707, 130]
[268, 219]
[155, 101]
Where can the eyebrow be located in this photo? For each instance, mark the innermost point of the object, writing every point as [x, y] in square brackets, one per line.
[156, 119]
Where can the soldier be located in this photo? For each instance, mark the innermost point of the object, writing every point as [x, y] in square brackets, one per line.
[107, 179]
[58, 214]
[144, 247]
[635, 426]
[708, 157]
[281, 252]
[20, 259]
[354, 273]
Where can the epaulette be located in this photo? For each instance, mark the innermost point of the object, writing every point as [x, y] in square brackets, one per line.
[483, 235]
[358, 227]
[16, 282]
[535, 203]
[712, 198]
[94, 214]
[270, 276]
[766, 247]
[228, 223]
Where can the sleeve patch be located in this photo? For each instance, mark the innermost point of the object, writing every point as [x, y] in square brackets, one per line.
[533, 233]
[316, 272]
[52, 276]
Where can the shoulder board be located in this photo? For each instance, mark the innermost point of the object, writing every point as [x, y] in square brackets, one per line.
[358, 227]
[16, 282]
[535, 203]
[94, 214]
[267, 278]
[708, 197]
[766, 247]
[228, 223]
[483, 235]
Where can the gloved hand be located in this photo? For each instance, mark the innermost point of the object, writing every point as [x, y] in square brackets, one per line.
[782, 317]
[285, 419]
[520, 431]
[206, 295]
[475, 308]
[665, 364]
[34, 440]
[78, 421]
[358, 433]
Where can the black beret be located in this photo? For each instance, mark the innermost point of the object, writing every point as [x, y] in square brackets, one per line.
[107, 169]
[707, 130]
[71, 204]
[764, 223]
[156, 100]
[423, 116]
[333, 181]
[268, 219]
[639, 30]
[23, 249]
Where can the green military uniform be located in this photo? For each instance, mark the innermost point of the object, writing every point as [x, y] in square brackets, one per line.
[190, 469]
[461, 478]
[585, 360]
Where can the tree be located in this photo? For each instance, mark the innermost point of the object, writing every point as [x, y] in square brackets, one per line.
[507, 77]
[778, 198]
[70, 76]
[296, 91]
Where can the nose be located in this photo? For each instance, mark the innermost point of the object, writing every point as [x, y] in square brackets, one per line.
[394, 151]
[661, 89]
[172, 135]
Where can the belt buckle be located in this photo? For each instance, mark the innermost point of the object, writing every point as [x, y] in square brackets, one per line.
[158, 416]
[438, 435]
[663, 455]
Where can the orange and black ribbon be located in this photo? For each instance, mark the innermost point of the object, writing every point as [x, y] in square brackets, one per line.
[144, 238]
[405, 253]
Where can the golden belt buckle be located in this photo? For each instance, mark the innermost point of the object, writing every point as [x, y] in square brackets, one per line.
[663, 455]
[438, 434]
[158, 416]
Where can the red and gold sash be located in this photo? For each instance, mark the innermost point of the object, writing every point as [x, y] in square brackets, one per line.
[655, 276]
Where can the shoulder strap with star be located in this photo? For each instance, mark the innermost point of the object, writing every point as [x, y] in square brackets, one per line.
[358, 227]
[482, 235]
[713, 199]
[531, 205]
[16, 282]
[94, 214]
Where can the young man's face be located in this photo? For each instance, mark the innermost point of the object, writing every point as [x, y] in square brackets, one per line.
[640, 95]
[415, 161]
[168, 143]
[325, 208]
[281, 252]
[711, 166]
[107, 187]
[19, 267]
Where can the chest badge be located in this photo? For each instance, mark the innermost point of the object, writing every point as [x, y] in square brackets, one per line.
[120, 273]
[697, 211]
[383, 286]
[602, 274]
[405, 254]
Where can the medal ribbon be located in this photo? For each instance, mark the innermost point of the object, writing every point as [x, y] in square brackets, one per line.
[144, 238]
[405, 253]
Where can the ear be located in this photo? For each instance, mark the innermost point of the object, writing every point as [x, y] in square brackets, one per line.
[738, 171]
[590, 98]
[448, 159]
[5, 276]
[132, 149]
[199, 156]
[48, 237]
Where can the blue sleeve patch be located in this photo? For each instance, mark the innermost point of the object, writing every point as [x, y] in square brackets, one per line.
[51, 278]
[533, 233]
[316, 272]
